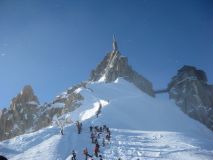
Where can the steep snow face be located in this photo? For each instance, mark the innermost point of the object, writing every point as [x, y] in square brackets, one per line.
[142, 127]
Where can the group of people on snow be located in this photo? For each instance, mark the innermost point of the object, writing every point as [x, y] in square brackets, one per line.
[99, 135]
[96, 133]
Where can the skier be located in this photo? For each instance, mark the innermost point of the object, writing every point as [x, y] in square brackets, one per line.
[73, 155]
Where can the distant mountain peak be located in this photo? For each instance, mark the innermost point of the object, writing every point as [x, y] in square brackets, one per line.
[114, 65]
[26, 96]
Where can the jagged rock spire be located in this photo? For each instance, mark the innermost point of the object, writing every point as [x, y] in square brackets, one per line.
[114, 65]
[114, 44]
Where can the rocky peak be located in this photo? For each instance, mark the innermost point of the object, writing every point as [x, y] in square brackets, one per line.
[115, 65]
[192, 93]
[189, 73]
[25, 115]
[26, 96]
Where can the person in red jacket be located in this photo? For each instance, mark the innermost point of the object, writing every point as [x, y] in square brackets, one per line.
[96, 150]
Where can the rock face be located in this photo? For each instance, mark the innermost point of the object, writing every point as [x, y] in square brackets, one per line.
[19, 117]
[193, 95]
[115, 65]
[26, 115]
[25, 98]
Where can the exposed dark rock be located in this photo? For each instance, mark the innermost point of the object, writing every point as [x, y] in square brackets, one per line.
[114, 65]
[26, 115]
[19, 117]
[193, 95]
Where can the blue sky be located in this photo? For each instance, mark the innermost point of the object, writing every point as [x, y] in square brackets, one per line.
[54, 44]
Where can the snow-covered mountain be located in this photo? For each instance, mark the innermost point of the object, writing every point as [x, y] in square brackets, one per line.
[142, 127]
[26, 115]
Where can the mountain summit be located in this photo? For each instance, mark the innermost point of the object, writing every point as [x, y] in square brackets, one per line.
[114, 65]
[26, 96]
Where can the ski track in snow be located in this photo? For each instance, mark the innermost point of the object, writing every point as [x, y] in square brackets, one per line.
[152, 129]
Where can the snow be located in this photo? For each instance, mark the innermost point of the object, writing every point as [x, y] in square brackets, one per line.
[21, 111]
[25, 116]
[57, 105]
[191, 78]
[142, 127]
[10, 117]
[15, 127]
[78, 90]
[32, 103]
[102, 79]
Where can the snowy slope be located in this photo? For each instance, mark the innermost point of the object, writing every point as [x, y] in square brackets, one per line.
[142, 127]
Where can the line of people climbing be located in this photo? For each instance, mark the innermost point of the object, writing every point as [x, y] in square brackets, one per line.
[99, 135]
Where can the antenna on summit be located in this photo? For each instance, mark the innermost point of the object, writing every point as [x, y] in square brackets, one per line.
[114, 44]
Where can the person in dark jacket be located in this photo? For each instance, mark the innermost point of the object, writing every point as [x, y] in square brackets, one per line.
[79, 126]
[90, 128]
